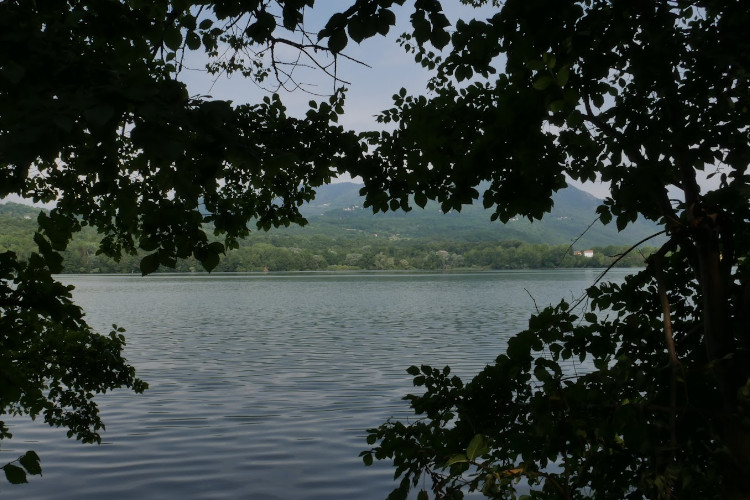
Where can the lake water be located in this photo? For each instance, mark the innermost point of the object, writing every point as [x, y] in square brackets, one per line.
[262, 386]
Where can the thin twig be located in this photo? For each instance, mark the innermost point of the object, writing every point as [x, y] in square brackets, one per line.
[618, 259]
[305, 46]
[533, 300]
[576, 240]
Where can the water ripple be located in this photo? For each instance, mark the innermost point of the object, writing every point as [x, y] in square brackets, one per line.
[263, 386]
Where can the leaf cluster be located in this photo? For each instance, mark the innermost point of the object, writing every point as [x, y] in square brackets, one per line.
[52, 363]
[578, 406]
[28, 463]
[94, 117]
[642, 395]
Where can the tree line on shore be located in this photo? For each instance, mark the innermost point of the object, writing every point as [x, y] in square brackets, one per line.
[314, 252]
[522, 98]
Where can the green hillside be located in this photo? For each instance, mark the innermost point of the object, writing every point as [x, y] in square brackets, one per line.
[17, 224]
[338, 207]
[344, 235]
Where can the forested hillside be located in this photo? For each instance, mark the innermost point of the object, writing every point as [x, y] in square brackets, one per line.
[339, 206]
[342, 235]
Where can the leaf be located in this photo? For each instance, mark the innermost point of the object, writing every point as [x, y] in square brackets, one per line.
[457, 459]
[167, 259]
[356, 29]
[172, 38]
[337, 21]
[15, 474]
[210, 261]
[387, 17]
[193, 41]
[557, 105]
[262, 28]
[30, 461]
[148, 244]
[423, 495]
[519, 346]
[149, 263]
[543, 82]
[463, 73]
[421, 27]
[402, 492]
[216, 247]
[563, 75]
[542, 374]
[381, 27]
[413, 370]
[337, 42]
[605, 215]
[621, 222]
[291, 16]
[477, 447]
[440, 38]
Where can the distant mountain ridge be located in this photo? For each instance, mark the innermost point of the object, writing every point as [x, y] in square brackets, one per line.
[346, 195]
[12, 209]
[337, 210]
[340, 206]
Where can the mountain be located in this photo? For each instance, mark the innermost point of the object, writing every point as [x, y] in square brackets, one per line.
[17, 210]
[338, 208]
[334, 197]
[337, 211]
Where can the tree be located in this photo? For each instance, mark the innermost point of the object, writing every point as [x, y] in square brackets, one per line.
[94, 116]
[643, 94]
[648, 96]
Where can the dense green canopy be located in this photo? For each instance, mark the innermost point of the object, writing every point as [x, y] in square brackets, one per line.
[649, 95]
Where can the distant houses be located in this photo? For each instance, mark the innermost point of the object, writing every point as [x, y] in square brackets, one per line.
[585, 253]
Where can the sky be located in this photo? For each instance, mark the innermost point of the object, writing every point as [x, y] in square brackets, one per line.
[369, 87]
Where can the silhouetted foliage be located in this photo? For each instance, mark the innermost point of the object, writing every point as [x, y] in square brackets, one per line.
[646, 95]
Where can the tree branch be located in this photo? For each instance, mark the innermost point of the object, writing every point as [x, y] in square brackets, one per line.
[576, 240]
[665, 207]
[656, 261]
[306, 47]
[618, 259]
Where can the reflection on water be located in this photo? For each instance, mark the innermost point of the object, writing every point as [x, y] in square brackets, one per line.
[262, 386]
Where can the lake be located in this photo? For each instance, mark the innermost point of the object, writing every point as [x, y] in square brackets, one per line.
[263, 385]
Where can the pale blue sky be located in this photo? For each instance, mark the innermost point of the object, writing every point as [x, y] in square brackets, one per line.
[369, 89]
